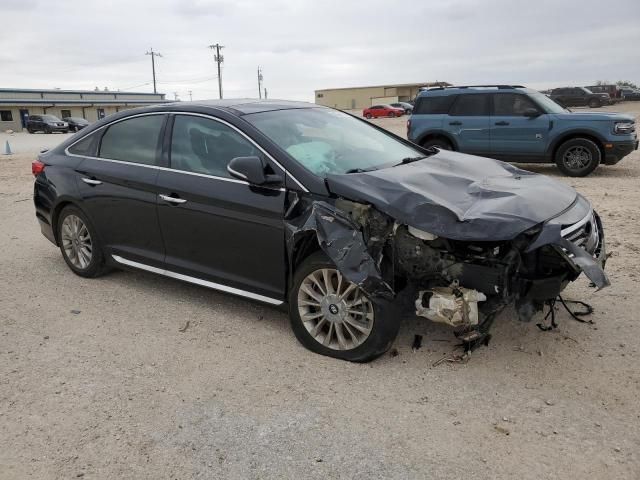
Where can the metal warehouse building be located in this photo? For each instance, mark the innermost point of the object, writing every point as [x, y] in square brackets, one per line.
[17, 104]
[363, 97]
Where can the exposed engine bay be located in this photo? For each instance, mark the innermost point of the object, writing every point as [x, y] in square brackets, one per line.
[463, 283]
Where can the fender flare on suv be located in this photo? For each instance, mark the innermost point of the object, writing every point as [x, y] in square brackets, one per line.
[435, 134]
[584, 133]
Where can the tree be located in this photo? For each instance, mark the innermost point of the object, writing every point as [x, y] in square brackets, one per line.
[602, 82]
[626, 83]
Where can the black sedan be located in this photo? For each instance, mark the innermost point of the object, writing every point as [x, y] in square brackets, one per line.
[76, 123]
[308, 208]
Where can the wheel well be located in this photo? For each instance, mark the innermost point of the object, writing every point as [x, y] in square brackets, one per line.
[306, 245]
[571, 136]
[437, 136]
[54, 217]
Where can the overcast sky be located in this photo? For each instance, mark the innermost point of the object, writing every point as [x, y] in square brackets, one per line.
[304, 45]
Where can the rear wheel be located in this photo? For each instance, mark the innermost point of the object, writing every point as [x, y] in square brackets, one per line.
[79, 243]
[368, 116]
[441, 143]
[332, 316]
[594, 103]
[578, 157]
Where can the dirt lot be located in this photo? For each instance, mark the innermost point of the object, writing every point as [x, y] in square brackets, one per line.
[99, 380]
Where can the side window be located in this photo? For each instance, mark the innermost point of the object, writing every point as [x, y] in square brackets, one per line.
[470, 105]
[134, 140]
[85, 147]
[202, 145]
[65, 113]
[434, 105]
[511, 104]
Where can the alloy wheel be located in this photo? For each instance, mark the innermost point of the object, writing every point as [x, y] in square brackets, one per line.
[76, 241]
[577, 157]
[334, 311]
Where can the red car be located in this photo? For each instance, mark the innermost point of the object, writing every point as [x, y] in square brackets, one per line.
[382, 111]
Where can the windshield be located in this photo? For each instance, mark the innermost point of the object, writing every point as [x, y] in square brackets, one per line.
[547, 104]
[51, 118]
[328, 141]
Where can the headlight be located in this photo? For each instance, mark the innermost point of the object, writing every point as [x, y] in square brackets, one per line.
[624, 127]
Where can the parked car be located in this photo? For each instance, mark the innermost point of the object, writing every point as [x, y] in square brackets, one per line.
[630, 94]
[407, 107]
[318, 212]
[46, 124]
[614, 92]
[377, 111]
[76, 123]
[579, 97]
[518, 124]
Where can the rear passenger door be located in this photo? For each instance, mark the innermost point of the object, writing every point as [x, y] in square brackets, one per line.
[514, 136]
[468, 123]
[217, 228]
[117, 185]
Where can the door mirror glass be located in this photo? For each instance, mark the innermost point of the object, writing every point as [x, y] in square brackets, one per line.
[252, 170]
[531, 113]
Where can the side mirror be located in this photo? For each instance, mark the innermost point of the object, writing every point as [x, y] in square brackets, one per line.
[531, 113]
[252, 170]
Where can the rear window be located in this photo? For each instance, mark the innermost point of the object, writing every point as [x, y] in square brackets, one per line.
[133, 140]
[433, 105]
[472, 105]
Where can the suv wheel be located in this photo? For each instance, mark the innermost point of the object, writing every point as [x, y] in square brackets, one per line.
[332, 316]
[47, 129]
[79, 243]
[578, 157]
[594, 103]
[441, 143]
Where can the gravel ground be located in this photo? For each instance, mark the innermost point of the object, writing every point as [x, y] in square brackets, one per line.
[101, 379]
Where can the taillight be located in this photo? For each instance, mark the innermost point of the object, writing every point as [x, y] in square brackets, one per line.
[37, 167]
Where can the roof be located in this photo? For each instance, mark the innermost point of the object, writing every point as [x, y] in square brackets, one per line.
[244, 106]
[471, 89]
[53, 101]
[390, 85]
[93, 92]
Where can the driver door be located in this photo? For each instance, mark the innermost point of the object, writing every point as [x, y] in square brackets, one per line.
[217, 228]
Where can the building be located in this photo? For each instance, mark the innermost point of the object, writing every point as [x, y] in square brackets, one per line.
[351, 98]
[16, 104]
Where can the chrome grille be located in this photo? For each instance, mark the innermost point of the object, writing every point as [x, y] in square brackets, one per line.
[584, 234]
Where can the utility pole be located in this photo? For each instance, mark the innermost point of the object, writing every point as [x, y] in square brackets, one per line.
[219, 59]
[265, 93]
[190, 96]
[260, 78]
[153, 66]
[175, 96]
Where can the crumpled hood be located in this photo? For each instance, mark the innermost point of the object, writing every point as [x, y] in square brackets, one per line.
[458, 196]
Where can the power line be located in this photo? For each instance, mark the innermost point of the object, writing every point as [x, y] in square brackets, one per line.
[218, 59]
[153, 66]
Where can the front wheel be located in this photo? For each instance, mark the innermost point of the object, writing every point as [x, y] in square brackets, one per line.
[332, 316]
[578, 157]
[594, 103]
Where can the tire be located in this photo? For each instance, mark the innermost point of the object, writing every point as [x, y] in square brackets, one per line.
[594, 103]
[47, 130]
[29, 130]
[368, 116]
[441, 143]
[70, 243]
[578, 157]
[391, 115]
[376, 321]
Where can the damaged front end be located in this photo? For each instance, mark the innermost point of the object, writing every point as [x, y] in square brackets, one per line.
[463, 283]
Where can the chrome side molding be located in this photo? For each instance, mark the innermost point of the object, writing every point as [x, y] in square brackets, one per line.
[197, 281]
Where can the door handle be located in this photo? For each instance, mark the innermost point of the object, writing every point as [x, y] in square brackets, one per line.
[91, 181]
[455, 123]
[502, 124]
[174, 200]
